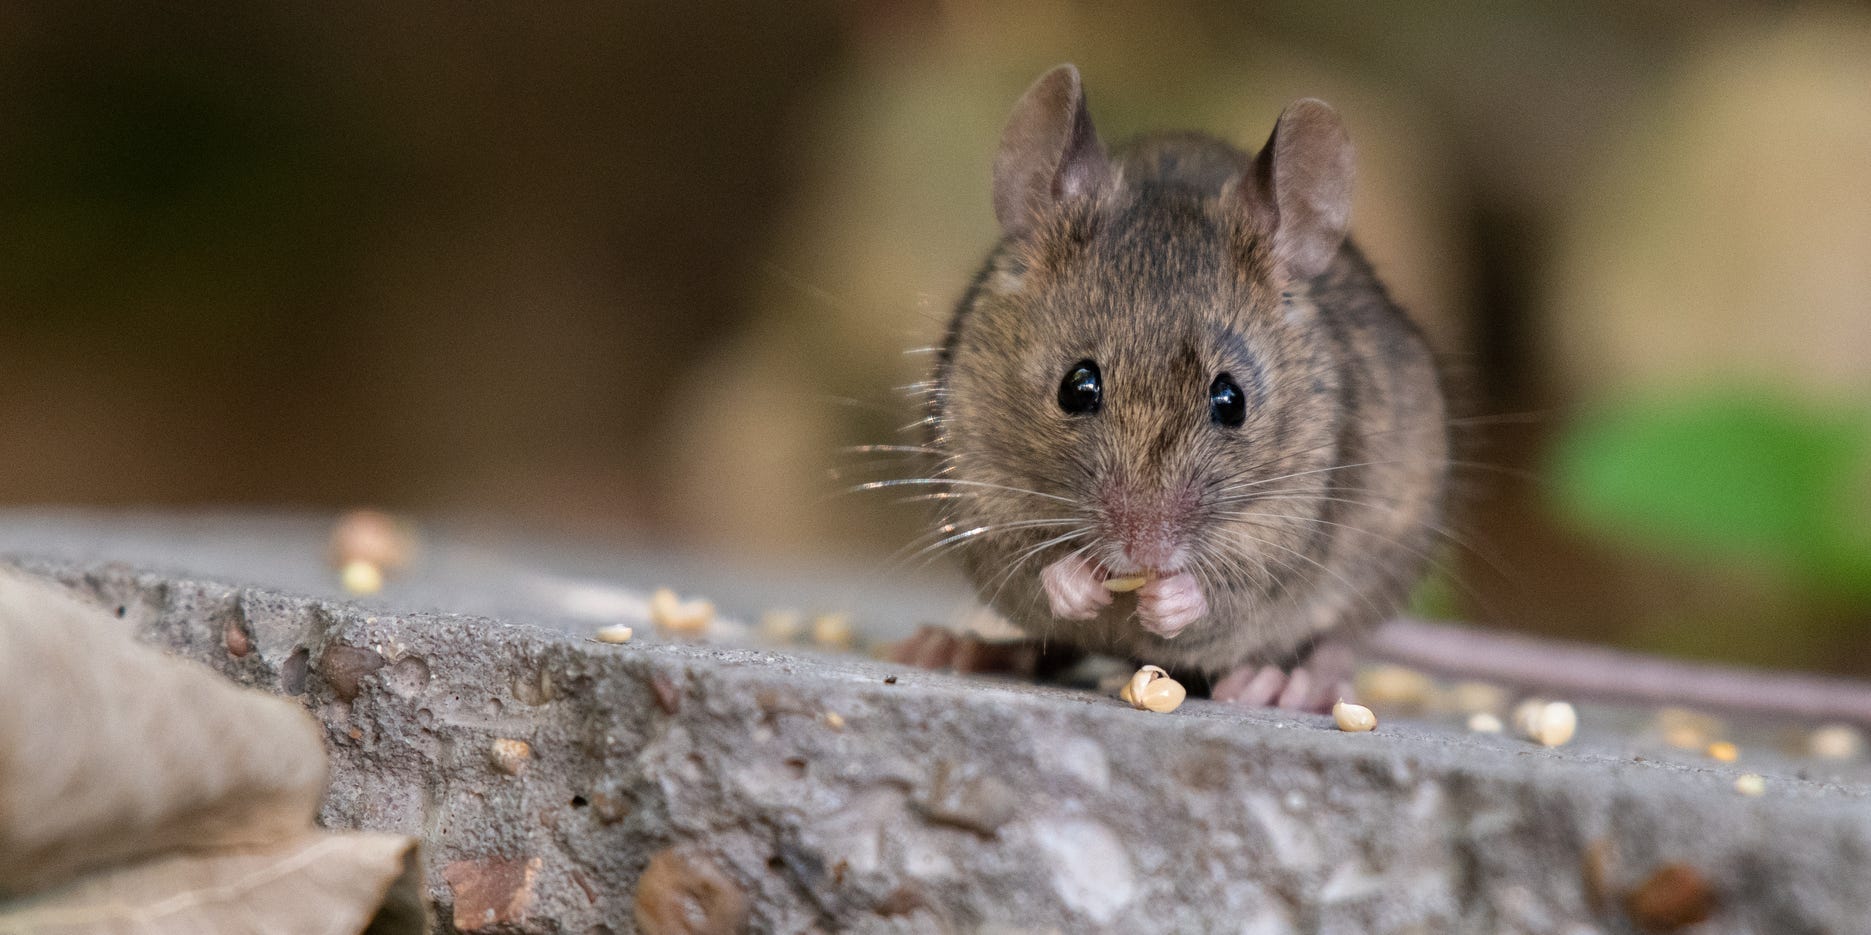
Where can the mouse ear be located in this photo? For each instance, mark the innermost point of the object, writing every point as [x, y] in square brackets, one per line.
[1300, 187]
[1049, 152]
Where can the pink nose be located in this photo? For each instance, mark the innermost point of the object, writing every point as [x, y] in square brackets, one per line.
[1148, 527]
[1152, 552]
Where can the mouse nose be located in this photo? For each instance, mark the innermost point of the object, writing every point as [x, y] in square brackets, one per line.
[1154, 553]
[1147, 528]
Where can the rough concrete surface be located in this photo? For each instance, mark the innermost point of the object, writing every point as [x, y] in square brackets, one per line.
[792, 791]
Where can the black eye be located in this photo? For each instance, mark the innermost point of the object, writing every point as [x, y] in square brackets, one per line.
[1081, 393]
[1226, 405]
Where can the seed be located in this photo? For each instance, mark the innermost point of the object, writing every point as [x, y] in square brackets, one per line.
[615, 634]
[1353, 717]
[1687, 730]
[675, 615]
[371, 536]
[1473, 697]
[1125, 584]
[361, 577]
[1151, 689]
[1750, 784]
[834, 720]
[833, 631]
[1162, 696]
[510, 756]
[1836, 742]
[1393, 685]
[1138, 680]
[781, 626]
[1548, 723]
[1724, 751]
[1481, 722]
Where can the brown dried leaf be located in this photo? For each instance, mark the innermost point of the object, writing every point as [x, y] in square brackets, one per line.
[315, 883]
[110, 750]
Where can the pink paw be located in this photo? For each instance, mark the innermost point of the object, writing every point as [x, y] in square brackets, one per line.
[1167, 605]
[1073, 589]
[1269, 687]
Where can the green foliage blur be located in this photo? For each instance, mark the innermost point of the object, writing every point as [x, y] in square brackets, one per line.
[1729, 476]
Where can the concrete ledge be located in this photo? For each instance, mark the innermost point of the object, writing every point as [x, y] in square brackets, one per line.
[798, 792]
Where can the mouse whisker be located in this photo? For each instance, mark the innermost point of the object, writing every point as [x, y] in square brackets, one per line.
[1013, 567]
[914, 481]
[1447, 533]
[916, 449]
[957, 537]
[1315, 471]
[1349, 587]
[1429, 558]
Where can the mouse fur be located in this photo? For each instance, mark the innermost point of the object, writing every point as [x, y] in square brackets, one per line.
[1168, 262]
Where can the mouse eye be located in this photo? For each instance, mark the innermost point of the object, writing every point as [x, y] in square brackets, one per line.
[1081, 393]
[1226, 404]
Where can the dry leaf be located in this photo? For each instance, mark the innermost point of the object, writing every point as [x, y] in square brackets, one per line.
[317, 883]
[187, 799]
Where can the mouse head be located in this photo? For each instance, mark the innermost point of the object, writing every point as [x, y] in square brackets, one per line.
[1139, 353]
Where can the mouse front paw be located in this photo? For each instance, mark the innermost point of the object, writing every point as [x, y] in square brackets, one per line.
[1166, 606]
[1074, 590]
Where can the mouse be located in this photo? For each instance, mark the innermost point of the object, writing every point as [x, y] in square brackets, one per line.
[1176, 416]
[1177, 419]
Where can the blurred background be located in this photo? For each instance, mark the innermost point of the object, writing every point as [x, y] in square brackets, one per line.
[636, 273]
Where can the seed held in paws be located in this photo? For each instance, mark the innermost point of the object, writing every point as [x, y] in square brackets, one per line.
[1125, 584]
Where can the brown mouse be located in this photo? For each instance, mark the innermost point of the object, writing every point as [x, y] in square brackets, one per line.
[1175, 365]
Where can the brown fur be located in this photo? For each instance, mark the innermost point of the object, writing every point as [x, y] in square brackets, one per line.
[1167, 262]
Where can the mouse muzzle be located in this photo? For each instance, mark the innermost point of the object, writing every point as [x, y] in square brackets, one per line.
[1146, 531]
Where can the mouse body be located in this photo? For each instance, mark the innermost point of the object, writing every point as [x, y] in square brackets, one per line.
[1175, 366]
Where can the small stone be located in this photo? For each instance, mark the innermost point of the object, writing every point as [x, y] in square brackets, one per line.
[1751, 784]
[834, 720]
[668, 693]
[1836, 742]
[234, 636]
[534, 687]
[510, 756]
[1482, 722]
[1355, 718]
[1724, 751]
[361, 578]
[685, 893]
[490, 892]
[962, 799]
[1675, 897]
[344, 668]
[617, 633]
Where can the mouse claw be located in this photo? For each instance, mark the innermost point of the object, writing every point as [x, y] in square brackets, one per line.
[1073, 589]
